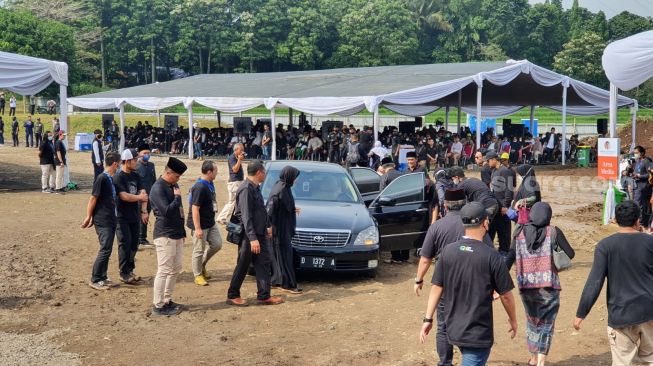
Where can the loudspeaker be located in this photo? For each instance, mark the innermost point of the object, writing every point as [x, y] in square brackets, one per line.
[602, 126]
[517, 130]
[418, 122]
[407, 127]
[506, 125]
[243, 125]
[106, 121]
[170, 122]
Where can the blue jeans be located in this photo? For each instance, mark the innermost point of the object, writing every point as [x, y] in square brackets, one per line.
[474, 356]
[198, 149]
[267, 151]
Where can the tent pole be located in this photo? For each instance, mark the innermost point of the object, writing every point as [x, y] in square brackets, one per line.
[613, 110]
[273, 128]
[633, 112]
[289, 118]
[191, 144]
[460, 104]
[376, 124]
[530, 123]
[158, 118]
[122, 127]
[63, 108]
[564, 124]
[446, 118]
[479, 95]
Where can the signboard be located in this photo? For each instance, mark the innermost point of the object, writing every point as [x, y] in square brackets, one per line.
[485, 124]
[608, 153]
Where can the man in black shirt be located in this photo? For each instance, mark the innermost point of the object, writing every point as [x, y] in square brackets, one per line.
[486, 171]
[147, 174]
[475, 190]
[503, 187]
[60, 161]
[46, 160]
[390, 173]
[471, 265]
[169, 234]
[625, 260]
[101, 212]
[14, 131]
[235, 165]
[642, 191]
[130, 193]
[97, 154]
[255, 247]
[201, 221]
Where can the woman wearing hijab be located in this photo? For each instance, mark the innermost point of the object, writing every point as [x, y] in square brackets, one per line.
[282, 213]
[537, 278]
[376, 154]
[527, 194]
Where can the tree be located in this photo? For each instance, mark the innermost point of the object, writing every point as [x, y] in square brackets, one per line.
[626, 24]
[547, 33]
[505, 25]
[381, 32]
[581, 59]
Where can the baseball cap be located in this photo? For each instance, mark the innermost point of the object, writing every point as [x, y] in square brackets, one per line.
[128, 154]
[473, 214]
[505, 156]
[491, 155]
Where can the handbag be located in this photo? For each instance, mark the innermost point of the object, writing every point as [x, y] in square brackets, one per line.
[560, 258]
[234, 230]
[522, 215]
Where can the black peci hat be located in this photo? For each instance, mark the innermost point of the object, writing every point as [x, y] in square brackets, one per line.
[177, 165]
[387, 161]
[411, 154]
[454, 195]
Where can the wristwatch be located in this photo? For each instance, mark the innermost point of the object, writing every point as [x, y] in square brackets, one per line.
[427, 320]
[419, 282]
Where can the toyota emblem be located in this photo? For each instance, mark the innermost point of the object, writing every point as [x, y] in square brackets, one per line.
[318, 239]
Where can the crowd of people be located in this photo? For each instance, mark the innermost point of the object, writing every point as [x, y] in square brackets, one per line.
[469, 215]
[435, 146]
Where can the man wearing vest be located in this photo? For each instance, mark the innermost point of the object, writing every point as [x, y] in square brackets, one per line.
[97, 155]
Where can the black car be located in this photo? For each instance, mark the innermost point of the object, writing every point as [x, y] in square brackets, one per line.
[339, 229]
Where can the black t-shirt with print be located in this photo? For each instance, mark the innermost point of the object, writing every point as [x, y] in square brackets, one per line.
[202, 196]
[470, 271]
[104, 213]
[128, 183]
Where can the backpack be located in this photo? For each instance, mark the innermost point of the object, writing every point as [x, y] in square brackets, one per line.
[352, 153]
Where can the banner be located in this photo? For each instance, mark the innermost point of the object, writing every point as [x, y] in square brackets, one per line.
[608, 153]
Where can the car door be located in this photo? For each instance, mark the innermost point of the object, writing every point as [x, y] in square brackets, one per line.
[367, 181]
[402, 212]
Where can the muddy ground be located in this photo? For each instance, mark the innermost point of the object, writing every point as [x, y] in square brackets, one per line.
[49, 314]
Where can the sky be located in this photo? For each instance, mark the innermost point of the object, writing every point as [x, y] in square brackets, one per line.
[611, 7]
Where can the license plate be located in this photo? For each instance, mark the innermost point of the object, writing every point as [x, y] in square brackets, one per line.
[317, 262]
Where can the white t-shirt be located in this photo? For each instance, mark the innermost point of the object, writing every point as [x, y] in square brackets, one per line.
[551, 143]
[457, 147]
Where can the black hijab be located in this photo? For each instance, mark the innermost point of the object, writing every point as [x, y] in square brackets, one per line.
[529, 186]
[281, 188]
[535, 229]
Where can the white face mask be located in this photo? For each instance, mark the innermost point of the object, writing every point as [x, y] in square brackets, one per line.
[49, 138]
[637, 155]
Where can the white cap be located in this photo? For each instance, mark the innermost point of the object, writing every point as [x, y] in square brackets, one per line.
[127, 155]
[195, 125]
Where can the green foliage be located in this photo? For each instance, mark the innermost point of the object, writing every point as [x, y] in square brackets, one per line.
[626, 24]
[581, 59]
[85, 88]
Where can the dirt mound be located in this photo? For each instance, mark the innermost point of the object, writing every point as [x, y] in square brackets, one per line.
[643, 136]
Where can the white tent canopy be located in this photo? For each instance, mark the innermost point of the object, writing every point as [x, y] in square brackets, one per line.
[629, 62]
[483, 88]
[29, 75]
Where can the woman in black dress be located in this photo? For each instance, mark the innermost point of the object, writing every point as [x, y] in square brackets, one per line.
[282, 213]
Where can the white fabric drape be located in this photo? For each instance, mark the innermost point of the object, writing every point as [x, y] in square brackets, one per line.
[629, 62]
[228, 104]
[411, 110]
[321, 106]
[493, 111]
[95, 103]
[29, 75]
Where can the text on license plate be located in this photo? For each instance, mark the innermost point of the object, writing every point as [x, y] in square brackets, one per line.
[317, 262]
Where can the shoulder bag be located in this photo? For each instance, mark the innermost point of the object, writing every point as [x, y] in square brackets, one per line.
[560, 259]
[234, 229]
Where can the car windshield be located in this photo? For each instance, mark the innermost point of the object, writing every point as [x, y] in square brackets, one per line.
[316, 186]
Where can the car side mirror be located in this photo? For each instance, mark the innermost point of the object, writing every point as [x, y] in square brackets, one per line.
[387, 201]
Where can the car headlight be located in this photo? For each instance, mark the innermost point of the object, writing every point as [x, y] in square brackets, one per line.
[369, 236]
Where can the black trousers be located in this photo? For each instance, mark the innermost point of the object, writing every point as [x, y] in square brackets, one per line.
[97, 170]
[105, 236]
[12, 111]
[442, 345]
[142, 236]
[38, 138]
[14, 136]
[334, 155]
[501, 227]
[127, 234]
[262, 264]
[642, 195]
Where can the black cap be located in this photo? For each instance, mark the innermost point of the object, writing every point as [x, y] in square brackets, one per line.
[387, 161]
[454, 195]
[177, 165]
[144, 146]
[473, 214]
[455, 171]
[491, 155]
[411, 154]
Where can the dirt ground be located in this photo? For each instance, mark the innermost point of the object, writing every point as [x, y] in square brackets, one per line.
[50, 316]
